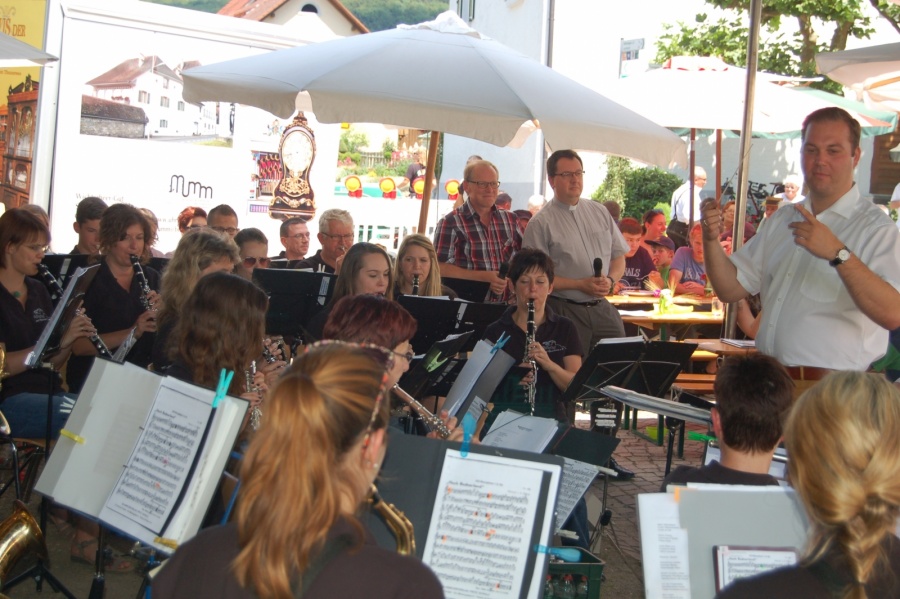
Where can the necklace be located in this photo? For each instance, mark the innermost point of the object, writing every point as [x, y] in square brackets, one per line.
[17, 294]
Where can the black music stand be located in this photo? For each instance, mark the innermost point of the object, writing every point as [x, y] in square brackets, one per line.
[437, 318]
[48, 345]
[477, 318]
[432, 366]
[471, 291]
[295, 296]
[159, 263]
[62, 267]
[640, 366]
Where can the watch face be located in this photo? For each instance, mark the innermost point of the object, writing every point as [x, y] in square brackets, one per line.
[296, 151]
[844, 255]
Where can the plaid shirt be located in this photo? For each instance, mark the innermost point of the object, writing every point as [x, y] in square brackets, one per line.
[462, 240]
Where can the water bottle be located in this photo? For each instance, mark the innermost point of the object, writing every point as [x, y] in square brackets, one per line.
[567, 591]
[548, 588]
[582, 589]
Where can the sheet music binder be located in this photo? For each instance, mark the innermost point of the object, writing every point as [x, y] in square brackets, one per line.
[101, 435]
[432, 366]
[409, 479]
[295, 296]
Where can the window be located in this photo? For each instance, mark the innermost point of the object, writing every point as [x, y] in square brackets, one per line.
[163, 124]
[181, 106]
[164, 102]
[144, 97]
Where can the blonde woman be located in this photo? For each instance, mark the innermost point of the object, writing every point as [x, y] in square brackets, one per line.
[844, 447]
[416, 256]
[296, 531]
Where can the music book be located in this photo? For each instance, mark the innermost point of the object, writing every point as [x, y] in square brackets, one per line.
[483, 371]
[477, 515]
[147, 461]
[733, 562]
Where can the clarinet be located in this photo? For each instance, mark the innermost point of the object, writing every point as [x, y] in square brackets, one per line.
[415, 285]
[529, 340]
[432, 422]
[255, 412]
[57, 290]
[142, 282]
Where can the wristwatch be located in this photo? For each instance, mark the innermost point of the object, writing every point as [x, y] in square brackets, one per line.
[842, 256]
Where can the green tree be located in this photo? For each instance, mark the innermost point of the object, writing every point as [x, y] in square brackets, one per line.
[351, 142]
[645, 188]
[387, 14]
[613, 186]
[779, 52]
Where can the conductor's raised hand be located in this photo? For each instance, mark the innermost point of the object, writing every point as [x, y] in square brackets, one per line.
[814, 236]
[711, 219]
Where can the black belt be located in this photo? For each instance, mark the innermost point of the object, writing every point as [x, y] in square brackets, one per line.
[585, 304]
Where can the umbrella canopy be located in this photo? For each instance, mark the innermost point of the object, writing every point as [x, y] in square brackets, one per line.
[14, 53]
[873, 73]
[464, 84]
[709, 95]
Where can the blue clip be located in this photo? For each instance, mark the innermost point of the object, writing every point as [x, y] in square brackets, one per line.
[222, 388]
[500, 343]
[468, 425]
[566, 554]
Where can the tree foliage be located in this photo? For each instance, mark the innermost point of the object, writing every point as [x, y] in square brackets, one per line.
[387, 14]
[785, 54]
[613, 186]
[635, 189]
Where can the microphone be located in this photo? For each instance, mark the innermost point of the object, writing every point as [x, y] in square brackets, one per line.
[504, 270]
[598, 266]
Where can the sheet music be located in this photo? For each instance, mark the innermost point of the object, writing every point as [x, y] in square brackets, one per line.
[576, 480]
[735, 562]
[150, 485]
[513, 430]
[475, 365]
[664, 547]
[482, 526]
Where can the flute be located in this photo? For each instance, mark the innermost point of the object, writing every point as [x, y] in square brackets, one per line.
[57, 290]
[142, 282]
[432, 422]
[529, 340]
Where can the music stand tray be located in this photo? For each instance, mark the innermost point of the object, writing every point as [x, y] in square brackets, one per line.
[294, 297]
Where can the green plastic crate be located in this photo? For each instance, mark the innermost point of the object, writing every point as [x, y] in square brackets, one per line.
[590, 566]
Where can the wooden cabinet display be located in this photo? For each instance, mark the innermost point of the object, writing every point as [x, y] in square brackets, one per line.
[21, 113]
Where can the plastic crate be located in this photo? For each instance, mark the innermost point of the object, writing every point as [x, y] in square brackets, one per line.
[590, 566]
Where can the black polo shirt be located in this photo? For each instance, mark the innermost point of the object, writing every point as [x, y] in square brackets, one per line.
[20, 328]
[111, 308]
[314, 262]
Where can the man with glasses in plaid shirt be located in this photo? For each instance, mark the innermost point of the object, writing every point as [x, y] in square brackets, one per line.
[476, 238]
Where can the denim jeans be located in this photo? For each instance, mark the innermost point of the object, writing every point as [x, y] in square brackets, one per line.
[27, 414]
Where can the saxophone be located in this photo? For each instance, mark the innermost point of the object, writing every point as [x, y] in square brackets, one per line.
[396, 520]
[415, 285]
[529, 340]
[142, 282]
[432, 422]
[57, 291]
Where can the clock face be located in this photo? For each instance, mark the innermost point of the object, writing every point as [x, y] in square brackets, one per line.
[297, 151]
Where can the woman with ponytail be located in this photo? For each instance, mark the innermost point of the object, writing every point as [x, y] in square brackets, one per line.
[843, 443]
[305, 476]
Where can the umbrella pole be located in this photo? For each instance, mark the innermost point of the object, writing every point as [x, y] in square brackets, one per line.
[691, 167]
[719, 166]
[740, 210]
[429, 177]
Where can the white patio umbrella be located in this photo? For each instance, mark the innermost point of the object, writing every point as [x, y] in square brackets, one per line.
[462, 83]
[14, 53]
[872, 73]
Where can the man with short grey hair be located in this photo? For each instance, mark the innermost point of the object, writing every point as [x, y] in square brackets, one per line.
[336, 236]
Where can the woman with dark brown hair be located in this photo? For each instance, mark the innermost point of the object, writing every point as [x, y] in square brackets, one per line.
[296, 531]
[116, 302]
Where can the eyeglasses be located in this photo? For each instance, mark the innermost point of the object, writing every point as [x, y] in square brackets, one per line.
[485, 184]
[230, 230]
[570, 174]
[301, 236]
[409, 355]
[388, 354]
[250, 262]
[195, 227]
[347, 237]
[38, 248]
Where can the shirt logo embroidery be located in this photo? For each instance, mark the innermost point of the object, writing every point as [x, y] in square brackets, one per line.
[39, 315]
[553, 346]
